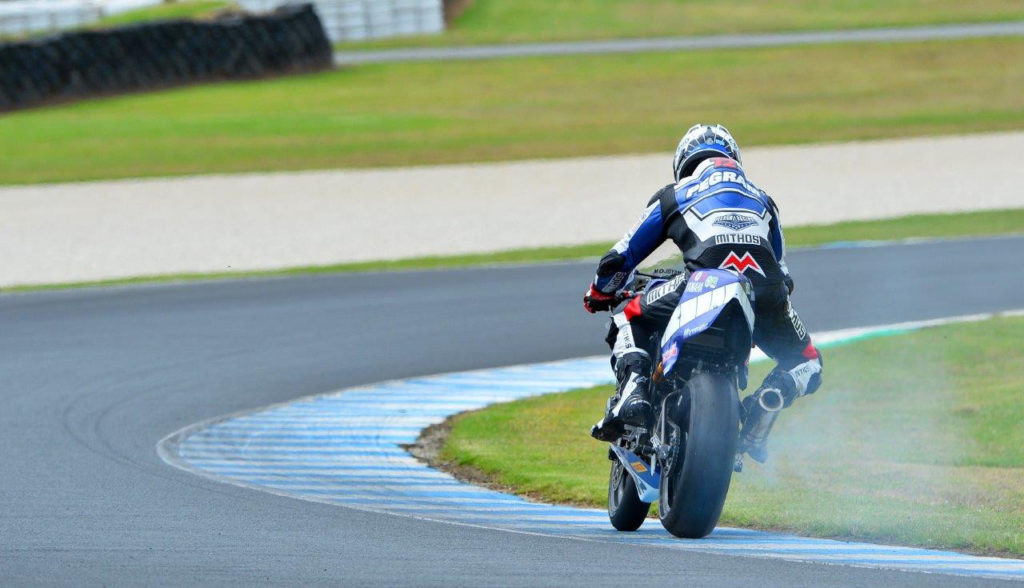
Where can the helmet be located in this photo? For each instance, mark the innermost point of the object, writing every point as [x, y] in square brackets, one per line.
[702, 142]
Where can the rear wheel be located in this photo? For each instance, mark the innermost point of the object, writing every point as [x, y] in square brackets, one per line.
[625, 509]
[698, 469]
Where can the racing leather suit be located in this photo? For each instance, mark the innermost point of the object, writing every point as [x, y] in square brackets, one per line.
[718, 219]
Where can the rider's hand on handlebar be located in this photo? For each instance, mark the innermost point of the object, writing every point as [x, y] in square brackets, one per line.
[595, 300]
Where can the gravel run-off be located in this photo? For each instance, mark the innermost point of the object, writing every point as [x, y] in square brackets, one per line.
[100, 230]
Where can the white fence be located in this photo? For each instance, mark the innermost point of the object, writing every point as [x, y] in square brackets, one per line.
[343, 20]
[354, 20]
[20, 17]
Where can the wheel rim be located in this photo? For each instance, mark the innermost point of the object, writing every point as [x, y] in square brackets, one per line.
[618, 486]
[667, 488]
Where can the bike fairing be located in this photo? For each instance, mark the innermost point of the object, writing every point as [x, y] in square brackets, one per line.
[707, 293]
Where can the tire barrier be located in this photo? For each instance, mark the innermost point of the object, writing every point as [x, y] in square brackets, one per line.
[148, 56]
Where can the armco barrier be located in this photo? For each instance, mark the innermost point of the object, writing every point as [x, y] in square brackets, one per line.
[158, 55]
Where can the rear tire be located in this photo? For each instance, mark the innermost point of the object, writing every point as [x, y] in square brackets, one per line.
[696, 480]
[625, 509]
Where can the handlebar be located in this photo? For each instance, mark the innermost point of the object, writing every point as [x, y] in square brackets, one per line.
[641, 282]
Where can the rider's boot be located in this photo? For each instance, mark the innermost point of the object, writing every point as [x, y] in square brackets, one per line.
[630, 405]
[760, 410]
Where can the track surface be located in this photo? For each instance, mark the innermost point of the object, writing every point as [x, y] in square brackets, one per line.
[91, 380]
[749, 40]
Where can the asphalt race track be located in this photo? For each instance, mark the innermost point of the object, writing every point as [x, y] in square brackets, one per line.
[694, 43]
[91, 380]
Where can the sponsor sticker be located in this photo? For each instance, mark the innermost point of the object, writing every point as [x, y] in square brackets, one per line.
[718, 177]
[737, 239]
[670, 356]
[694, 330]
[735, 222]
[741, 264]
[798, 325]
[664, 289]
[639, 466]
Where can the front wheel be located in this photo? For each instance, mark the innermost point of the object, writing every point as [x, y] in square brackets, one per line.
[625, 509]
[703, 438]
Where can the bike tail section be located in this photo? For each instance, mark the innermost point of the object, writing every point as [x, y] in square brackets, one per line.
[713, 323]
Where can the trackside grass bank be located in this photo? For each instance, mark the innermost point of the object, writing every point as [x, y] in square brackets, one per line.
[425, 113]
[189, 9]
[510, 21]
[996, 222]
[913, 439]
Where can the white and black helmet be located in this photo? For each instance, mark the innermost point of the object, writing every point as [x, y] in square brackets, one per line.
[702, 142]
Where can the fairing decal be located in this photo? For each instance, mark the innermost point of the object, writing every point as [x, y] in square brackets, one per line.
[708, 227]
[707, 293]
[647, 480]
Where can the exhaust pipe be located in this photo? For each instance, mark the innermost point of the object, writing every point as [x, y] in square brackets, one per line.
[758, 423]
[771, 400]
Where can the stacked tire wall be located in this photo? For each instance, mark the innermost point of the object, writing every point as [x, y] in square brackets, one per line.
[148, 56]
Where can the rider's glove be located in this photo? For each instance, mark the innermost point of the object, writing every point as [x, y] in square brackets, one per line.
[788, 281]
[595, 300]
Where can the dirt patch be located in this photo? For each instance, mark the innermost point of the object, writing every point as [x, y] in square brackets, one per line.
[427, 448]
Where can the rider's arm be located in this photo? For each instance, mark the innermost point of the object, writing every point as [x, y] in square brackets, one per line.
[616, 267]
[778, 241]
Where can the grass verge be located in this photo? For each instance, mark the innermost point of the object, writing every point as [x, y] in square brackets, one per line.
[913, 440]
[428, 113]
[995, 222]
[513, 21]
[189, 9]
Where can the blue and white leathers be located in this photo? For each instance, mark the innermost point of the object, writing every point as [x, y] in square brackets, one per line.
[717, 217]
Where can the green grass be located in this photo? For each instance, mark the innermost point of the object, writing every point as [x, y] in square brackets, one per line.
[913, 439]
[961, 224]
[188, 9]
[428, 113]
[996, 222]
[191, 9]
[504, 21]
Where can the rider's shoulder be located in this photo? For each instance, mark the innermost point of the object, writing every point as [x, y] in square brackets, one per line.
[667, 190]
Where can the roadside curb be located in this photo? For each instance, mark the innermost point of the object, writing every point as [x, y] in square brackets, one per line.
[345, 448]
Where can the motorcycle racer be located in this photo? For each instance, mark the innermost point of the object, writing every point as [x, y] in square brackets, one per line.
[719, 219]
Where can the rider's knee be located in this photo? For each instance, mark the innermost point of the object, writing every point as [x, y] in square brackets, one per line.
[798, 380]
[808, 374]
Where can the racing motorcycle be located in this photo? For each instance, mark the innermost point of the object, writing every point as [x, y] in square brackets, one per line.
[686, 461]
